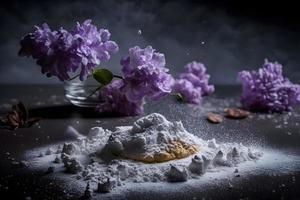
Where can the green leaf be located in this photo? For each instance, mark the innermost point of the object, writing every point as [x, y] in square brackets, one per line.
[180, 97]
[103, 76]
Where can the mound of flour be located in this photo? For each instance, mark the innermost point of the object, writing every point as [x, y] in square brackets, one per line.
[107, 159]
[151, 139]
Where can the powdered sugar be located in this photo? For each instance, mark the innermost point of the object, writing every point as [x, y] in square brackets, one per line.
[152, 139]
[86, 157]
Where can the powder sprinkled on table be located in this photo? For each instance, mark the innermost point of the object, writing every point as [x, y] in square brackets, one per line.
[132, 154]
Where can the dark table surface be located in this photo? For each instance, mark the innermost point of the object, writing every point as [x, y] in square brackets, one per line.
[276, 131]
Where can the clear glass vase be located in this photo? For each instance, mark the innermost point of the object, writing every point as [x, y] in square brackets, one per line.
[82, 93]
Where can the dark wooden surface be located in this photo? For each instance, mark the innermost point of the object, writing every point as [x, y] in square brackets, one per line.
[279, 131]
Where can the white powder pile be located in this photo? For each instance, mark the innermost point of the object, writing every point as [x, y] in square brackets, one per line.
[151, 139]
[107, 159]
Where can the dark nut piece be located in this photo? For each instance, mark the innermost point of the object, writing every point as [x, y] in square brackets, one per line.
[235, 113]
[214, 118]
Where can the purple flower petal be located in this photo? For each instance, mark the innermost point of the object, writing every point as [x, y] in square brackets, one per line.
[193, 83]
[145, 74]
[104, 35]
[111, 46]
[267, 89]
[190, 93]
[115, 101]
[61, 52]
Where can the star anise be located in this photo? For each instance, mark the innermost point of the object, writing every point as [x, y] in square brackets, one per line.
[18, 117]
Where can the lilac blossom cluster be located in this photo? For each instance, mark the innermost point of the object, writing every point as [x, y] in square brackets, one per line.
[114, 100]
[144, 76]
[267, 90]
[193, 83]
[61, 52]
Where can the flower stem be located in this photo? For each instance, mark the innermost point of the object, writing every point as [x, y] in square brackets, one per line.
[98, 88]
[117, 76]
[74, 77]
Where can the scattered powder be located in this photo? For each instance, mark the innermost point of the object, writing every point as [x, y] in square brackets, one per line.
[106, 159]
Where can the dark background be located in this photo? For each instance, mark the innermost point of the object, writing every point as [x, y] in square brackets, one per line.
[236, 34]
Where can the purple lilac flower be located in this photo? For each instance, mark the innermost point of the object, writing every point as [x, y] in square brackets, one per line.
[115, 101]
[145, 74]
[193, 83]
[190, 93]
[267, 89]
[60, 53]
